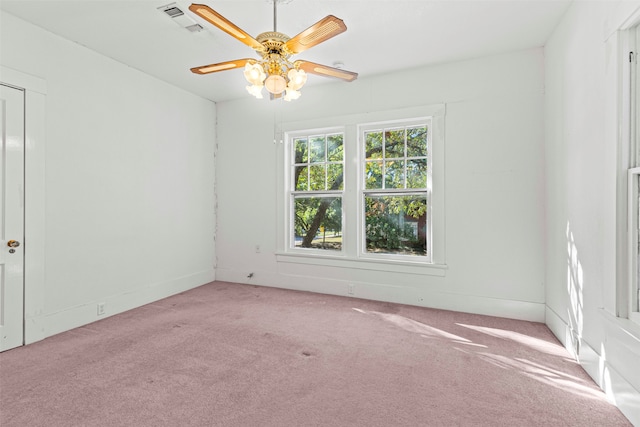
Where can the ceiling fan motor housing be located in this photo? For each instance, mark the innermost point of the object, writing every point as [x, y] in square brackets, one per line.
[273, 42]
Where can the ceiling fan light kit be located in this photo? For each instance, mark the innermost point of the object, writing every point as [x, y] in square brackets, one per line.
[274, 71]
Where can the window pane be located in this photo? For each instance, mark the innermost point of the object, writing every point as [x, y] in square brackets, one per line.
[396, 224]
[335, 152]
[300, 179]
[316, 145]
[394, 174]
[300, 146]
[417, 173]
[373, 175]
[334, 177]
[316, 177]
[417, 142]
[318, 223]
[373, 144]
[394, 143]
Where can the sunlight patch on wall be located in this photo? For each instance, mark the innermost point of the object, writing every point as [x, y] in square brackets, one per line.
[575, 285]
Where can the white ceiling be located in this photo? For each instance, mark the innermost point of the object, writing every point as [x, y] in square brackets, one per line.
[382, 35]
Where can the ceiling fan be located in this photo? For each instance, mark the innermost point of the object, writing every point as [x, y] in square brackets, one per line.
[274, 70]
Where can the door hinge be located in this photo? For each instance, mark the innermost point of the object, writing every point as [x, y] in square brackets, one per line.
[632, 57]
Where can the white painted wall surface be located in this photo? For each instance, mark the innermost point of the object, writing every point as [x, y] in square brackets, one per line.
[581, 160]
[494, 185]
[129, 195]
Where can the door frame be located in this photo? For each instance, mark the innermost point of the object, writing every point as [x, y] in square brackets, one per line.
[34, 199]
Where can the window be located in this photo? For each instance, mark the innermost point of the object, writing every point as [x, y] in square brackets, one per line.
[316, 191]
[365, 191]
[633, 200]
[629, 291]
[395, 189]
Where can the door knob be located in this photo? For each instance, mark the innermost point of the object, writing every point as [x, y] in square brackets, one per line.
[13, 243]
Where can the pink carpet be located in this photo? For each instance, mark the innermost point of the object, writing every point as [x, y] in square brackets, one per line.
[237, 355]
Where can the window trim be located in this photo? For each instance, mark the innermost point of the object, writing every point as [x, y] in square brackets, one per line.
[349, 258]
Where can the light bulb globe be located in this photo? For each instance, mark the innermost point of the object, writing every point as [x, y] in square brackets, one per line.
[275, 83]
[254, 74]
[255, 90]
[291, 95]
[297, 78]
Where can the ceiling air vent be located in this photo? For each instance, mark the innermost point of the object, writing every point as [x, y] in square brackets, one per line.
[174, 12]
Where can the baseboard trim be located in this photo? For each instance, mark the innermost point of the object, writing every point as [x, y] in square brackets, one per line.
[421, 297]
[618, 390]
[54, 323]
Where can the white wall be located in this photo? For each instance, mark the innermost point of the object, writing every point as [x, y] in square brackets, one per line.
[494, 185]
[582, 156]
[129, 192]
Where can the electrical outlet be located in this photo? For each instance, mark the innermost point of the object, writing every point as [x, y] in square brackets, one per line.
[101, 308]
[350, 288]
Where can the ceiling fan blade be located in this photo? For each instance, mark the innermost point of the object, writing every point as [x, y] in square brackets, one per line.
[221, 66]
[210, 15]
[319, 32]
[323, 70]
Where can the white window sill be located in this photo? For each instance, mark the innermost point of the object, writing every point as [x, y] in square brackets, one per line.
[394, 266]
[628, 326]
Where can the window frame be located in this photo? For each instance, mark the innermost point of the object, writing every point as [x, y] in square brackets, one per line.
[364, 192]
[326, 193]
[350, 256]
[627, 99]
[629, 301]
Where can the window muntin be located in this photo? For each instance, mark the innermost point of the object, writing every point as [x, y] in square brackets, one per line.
[395, 189]
[316, 199]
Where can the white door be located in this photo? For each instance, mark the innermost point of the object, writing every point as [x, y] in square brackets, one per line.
[11, 217]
